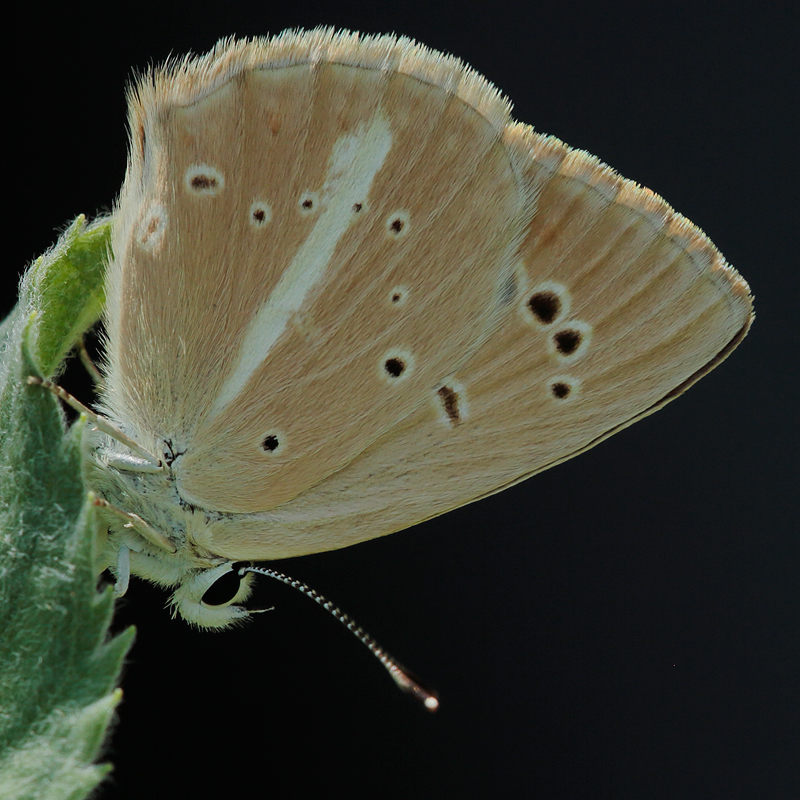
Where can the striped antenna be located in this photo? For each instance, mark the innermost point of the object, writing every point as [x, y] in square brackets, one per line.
[400, 675]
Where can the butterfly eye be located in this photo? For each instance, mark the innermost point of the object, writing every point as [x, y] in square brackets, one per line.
[225, 590]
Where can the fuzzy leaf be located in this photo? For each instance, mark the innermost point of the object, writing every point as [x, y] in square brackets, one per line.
[65, 286]
[58, 668]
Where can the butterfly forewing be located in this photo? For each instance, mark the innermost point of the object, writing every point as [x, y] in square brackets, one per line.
[387, 215]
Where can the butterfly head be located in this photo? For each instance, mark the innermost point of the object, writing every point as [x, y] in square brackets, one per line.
[152, 532]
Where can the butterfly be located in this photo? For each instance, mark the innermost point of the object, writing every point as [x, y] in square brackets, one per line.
[349, 293]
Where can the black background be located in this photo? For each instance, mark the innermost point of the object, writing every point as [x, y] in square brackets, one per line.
[623, 626]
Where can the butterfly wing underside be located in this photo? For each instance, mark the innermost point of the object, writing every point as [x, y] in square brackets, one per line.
[302, 253]
[621, 305]
[418, 301]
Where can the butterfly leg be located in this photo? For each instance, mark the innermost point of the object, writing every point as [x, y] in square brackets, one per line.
[101, 423]
[148, 532]
[87, 362]
[123, 574]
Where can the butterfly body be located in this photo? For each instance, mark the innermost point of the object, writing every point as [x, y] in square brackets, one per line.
[350, 293]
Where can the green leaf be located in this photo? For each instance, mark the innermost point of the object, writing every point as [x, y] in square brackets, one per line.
[58, 668]
[65, 287]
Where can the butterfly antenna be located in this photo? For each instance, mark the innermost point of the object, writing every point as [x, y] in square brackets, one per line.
[400, 675]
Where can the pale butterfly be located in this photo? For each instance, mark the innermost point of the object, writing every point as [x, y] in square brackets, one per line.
[349, 293]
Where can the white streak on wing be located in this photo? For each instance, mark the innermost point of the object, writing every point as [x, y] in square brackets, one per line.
[355, 160]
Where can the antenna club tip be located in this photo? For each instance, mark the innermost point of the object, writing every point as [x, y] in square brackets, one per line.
[411, 686]
[431, 703]
[401, 676]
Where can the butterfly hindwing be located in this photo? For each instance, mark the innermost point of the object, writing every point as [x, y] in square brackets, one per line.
[619, 304]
